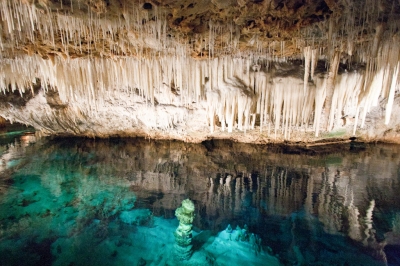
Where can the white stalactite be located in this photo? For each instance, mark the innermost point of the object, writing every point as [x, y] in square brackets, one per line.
[234, 89]
[233, 97]
[307, 64]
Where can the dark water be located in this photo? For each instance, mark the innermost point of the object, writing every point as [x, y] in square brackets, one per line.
[112, 202]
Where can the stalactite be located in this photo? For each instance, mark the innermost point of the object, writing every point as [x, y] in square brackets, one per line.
[330, 88]
[307, 63]
[314, 61]
[393, 85]
[91, 64]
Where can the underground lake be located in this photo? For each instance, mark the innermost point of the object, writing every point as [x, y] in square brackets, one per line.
[80, 201]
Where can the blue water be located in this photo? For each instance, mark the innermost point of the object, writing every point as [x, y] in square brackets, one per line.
[70, 201]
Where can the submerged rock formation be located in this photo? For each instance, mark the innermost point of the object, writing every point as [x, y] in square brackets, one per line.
[253, 71]
[183, 234]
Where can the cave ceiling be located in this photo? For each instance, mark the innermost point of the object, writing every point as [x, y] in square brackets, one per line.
[200, 29]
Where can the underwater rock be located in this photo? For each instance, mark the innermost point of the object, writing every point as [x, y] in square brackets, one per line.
[183, 234]
[244, 235]
[255, 242]
[229, 229]
[252, 239]
[237, 233]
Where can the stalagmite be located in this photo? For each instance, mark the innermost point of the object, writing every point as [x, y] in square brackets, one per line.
[183, 234]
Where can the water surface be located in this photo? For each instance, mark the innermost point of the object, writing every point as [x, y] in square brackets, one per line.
[111, 202]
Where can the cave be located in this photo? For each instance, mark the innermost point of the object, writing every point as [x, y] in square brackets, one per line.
[278, 119]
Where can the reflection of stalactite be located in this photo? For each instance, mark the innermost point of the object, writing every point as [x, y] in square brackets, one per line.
[308, 203]
[336, 208]
[354, 223]
[276, 192]
[238, 188]
[220, 198]
[330, 209]
[369, 232]
[370, 238]
[227, 194]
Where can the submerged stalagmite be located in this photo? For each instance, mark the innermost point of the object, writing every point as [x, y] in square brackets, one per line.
[254, 71]
[183, 234]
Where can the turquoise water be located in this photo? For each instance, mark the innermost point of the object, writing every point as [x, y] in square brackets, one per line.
[77, 201]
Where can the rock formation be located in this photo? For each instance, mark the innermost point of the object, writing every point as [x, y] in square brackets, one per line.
[183, 234]
[253, 71]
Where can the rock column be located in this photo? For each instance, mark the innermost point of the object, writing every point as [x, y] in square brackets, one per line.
[183, 234]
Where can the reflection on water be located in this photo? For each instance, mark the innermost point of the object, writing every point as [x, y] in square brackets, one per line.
[112, 202]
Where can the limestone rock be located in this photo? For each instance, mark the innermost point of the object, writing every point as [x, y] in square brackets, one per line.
[183, 234]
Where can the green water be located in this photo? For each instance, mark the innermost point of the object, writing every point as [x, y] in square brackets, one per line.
[111, 202]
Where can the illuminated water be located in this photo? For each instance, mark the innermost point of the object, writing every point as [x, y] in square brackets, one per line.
[112, 202]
